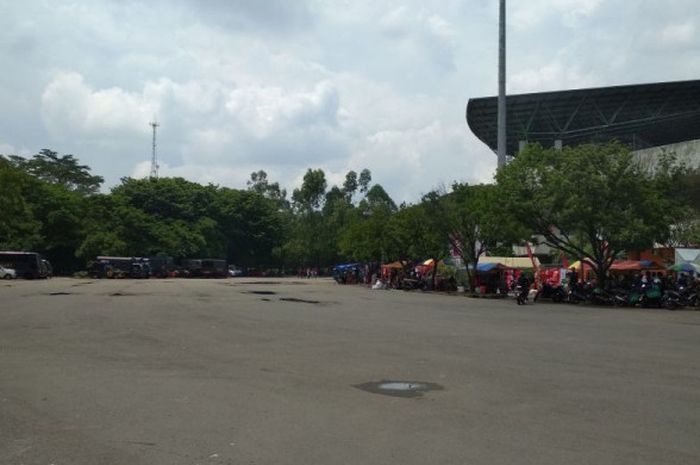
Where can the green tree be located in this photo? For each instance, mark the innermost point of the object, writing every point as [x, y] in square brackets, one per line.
[63, 170]
[367, 238]
[308, 225]
[590, 201]
[469, 220]
[350, 185]
[260, 184]
[310, 195]
[252, 225]
[18, 225]
[365, 180]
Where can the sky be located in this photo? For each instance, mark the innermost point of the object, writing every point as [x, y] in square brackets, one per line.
[283, 86]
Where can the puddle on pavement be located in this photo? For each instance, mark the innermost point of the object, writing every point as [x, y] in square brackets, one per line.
[142, 443]
[399, 388]
[303, 301]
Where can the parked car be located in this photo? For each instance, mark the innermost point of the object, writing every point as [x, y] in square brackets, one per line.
[7, 273]
[234, 271]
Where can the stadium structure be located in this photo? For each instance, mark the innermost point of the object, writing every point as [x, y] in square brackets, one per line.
[648, 117]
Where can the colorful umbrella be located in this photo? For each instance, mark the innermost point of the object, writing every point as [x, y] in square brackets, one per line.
[685, 267]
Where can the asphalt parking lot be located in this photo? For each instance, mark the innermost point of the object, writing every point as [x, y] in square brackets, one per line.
[270, 371]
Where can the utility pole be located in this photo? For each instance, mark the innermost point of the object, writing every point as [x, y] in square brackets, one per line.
[154, 160]
[502, 85]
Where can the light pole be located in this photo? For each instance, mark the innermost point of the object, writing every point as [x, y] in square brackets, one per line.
[502, 85]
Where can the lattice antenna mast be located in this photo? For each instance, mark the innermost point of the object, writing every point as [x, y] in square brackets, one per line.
[154, 159]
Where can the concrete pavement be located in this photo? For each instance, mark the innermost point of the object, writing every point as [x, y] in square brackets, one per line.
[264, 371]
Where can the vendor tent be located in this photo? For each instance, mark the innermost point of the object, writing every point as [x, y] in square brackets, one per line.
[622, 265]
[687, 255]
[393, 266]
[685, 267]
[489, 267]
[511, 262]
[346, 266]
[628, 265]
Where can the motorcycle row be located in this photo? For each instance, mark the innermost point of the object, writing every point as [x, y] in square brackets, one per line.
[643, 294]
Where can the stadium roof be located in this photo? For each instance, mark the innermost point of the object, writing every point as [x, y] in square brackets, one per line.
[645, 115]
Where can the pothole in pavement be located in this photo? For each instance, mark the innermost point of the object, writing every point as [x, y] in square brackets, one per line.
[399, 388]
[59, 293]
[260, 292]
[303, 301]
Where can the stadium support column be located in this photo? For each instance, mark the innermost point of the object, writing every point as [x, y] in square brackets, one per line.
[502, 85]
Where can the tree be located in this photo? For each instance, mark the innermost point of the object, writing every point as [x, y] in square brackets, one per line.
[350, 185]
[367, 237]
[251, 225]
[469, 220]
[365, 180]
[310, 196]
[64, 170]
[308, 225]
[18, 225]
[590, 201]
[260, 184]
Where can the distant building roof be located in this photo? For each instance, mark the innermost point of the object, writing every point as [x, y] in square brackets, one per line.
[644, 115]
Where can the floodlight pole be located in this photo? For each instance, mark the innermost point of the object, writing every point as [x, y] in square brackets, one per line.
[501, 150]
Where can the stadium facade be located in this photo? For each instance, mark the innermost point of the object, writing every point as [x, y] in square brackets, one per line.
[650, 118]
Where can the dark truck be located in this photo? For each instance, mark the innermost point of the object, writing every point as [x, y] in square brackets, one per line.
[28, 265]
[204, 268]
[120, 267]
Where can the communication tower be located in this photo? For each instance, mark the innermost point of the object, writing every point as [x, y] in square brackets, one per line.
[154, 159]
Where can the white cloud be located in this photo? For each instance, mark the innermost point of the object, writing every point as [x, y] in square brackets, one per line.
[284, 86]
[264, 110]
[422, 33]
[143, 170]
[678, 34]
[554, 76]
[413, 161]
[70, 107]
[528, 14]
[7, 149]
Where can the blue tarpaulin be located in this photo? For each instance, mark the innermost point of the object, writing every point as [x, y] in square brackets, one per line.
[486, 267]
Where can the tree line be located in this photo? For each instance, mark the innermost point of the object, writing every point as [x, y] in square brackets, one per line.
[591, 202]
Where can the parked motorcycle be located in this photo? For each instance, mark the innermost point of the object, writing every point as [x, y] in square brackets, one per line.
[688, 297]
[671, 300]
[521, 294]
[547, 291]
[578, 294]
[650, 295]
[600, 296]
